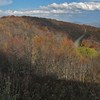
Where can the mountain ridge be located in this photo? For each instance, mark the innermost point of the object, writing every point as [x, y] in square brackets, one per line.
[71, 29]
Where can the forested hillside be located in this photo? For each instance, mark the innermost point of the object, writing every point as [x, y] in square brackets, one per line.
[39, 60]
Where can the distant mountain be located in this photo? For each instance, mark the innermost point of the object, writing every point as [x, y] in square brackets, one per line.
[21, 25]
[26, 26]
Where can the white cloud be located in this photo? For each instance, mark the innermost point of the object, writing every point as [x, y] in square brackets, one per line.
[68, 8]
[73, 12]
[93, 0]
[74, 6]
[5, 2]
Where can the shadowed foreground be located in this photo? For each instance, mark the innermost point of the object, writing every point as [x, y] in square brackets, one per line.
[47, 88]
[22, 84]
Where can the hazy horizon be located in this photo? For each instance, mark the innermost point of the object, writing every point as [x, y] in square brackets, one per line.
[75, 11]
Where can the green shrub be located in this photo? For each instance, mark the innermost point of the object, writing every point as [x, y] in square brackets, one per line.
[88, 52]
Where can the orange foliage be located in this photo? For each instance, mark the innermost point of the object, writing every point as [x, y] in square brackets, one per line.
[17, 46]
[66, 42]
[48, 43]
[38, 40]
[91, 44]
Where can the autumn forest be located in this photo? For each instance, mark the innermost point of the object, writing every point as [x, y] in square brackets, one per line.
[39, 60]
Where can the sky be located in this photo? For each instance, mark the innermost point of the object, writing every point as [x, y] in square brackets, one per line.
[76, 11]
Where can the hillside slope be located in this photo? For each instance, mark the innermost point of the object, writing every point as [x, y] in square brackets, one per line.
[31, 38]
[22, 25]
[39, 60]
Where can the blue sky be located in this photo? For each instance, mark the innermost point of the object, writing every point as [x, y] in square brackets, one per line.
[77, 11]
